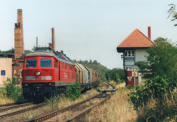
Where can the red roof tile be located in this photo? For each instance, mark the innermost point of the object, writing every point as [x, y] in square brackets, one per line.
[136, 40]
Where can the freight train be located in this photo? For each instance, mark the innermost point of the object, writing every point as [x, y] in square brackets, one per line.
[46, 72]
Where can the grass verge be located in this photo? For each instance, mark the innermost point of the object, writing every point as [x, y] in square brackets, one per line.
[116, 109]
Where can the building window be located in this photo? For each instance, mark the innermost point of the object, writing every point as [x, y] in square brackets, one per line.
[3, 72]
[125, 53]
[133, 53]
[129, 53]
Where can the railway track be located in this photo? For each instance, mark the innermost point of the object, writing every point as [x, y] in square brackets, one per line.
[13, 110]
[74, 111]
[7, 104]
[13, 106]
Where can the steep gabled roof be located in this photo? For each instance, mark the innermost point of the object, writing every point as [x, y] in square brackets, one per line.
[136, 40]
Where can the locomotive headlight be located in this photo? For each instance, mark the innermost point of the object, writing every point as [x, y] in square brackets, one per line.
[37, 73]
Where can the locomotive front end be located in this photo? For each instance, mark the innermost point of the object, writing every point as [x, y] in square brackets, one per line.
[38, 76]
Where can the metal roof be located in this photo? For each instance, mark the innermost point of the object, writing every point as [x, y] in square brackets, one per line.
[48, 52]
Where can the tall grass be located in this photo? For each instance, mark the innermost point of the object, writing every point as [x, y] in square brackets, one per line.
[116, 109]
[3, 97]
[53, 102]
[65, 101]
[166, 112]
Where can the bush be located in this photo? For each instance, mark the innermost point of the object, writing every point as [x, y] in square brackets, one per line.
[13, 91]
[73, 91]
[155, 99]
[154, 88]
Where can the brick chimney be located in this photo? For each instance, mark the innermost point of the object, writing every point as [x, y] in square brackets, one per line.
[149, 32]
[18, 35]
[50, 46]
[53, 39]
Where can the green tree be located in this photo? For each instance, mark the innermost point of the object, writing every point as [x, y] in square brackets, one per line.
[158, 58]
[143, 68]
[11, 51]
[172, 13]
[98, 67]
[160, 39]
[162, 60]
[117, 75]
[162, 64]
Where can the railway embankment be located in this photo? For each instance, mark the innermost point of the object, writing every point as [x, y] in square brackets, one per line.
[90, 106]
[116, 109]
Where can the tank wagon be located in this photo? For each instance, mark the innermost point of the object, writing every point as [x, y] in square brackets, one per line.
[46, 72]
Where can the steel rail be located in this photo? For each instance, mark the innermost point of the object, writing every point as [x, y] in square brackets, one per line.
[21, 111]
[9, 104]
[14, 106]
[57, 111]
[3, 105]
[88, 109]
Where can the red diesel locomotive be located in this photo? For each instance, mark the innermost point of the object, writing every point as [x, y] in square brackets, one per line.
[46, 72]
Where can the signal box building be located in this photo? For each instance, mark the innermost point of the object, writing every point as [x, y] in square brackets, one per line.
[133, 50]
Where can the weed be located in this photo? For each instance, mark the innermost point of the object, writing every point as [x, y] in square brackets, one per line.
[53, 102]
[29, 115]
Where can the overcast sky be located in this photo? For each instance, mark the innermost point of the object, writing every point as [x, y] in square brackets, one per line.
[85, 29]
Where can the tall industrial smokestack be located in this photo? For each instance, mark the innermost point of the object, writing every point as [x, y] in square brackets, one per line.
[53, 39]
[20, 18]
[149, 32]
[18, 35]
[36, 41]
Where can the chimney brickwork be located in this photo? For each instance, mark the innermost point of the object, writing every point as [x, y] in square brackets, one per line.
[18, 35]
[53, 39]
[149, 32]
[18, 47]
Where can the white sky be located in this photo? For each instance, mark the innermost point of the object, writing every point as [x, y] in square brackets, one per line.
[85, 29]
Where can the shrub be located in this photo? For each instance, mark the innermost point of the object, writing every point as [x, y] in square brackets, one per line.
[13, 91]
[73, 91]
[160, 88]
[156, 93]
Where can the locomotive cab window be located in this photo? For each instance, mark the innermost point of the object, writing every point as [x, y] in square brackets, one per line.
[31, 63]
[45, 62]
